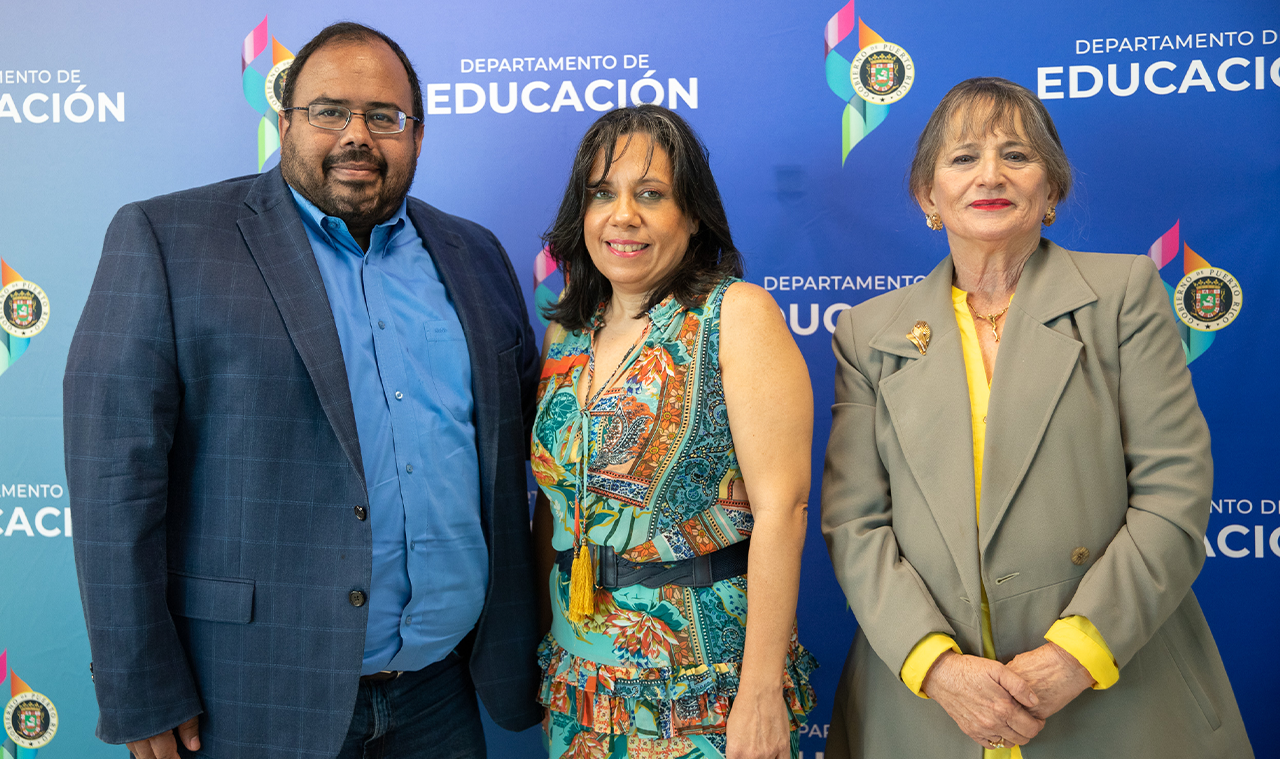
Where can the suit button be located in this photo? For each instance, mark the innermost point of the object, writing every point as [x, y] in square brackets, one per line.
[357, 598]
[1080, 556]
[361, 514]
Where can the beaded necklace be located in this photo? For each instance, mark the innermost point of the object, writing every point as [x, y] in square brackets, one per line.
[582, 573]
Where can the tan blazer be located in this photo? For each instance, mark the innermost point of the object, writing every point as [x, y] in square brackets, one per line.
[1094, 440]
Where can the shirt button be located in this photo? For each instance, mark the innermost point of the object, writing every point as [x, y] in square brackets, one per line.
[382, 324]
[408, 468]
[357, 598]
[408, 619]
[399, 395]
[361, 514]
[413, 544]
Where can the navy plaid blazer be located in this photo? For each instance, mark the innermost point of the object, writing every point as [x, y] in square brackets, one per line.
[214, 470]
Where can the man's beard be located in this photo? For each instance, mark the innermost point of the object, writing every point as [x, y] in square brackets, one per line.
[356, 207]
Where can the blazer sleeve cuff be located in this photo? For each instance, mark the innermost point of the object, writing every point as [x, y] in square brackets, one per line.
[1078, 637]
[922, 657]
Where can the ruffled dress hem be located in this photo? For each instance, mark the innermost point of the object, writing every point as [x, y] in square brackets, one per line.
[659, 702]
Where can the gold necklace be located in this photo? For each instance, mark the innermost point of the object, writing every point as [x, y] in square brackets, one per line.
[993, 318]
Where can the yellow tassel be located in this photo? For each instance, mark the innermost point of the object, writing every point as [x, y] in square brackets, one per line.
[582, 587]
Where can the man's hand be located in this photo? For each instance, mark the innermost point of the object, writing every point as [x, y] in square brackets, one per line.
[1055, 676]
[987, 700]
[163, 746]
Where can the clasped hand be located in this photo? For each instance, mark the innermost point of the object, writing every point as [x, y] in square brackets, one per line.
[994, 703]
[1055, 676]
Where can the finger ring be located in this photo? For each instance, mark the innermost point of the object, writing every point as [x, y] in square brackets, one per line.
[997, 743]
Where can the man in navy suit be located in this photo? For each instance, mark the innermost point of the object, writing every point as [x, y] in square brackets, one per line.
[296, 420]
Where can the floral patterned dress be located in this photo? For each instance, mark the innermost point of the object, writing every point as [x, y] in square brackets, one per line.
[654, 671]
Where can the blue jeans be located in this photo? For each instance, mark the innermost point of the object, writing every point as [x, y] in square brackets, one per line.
[428, 713]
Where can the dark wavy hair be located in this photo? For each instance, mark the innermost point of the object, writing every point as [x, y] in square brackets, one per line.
[711, 255]
[348, 31]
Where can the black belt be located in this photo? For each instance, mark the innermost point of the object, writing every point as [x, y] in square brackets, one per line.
[387, 675]
[381, 677]
[613, 571]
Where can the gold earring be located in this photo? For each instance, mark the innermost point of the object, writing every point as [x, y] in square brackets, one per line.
[933, 221]
[1050, 216]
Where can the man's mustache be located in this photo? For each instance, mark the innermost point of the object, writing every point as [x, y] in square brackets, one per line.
[354, 156]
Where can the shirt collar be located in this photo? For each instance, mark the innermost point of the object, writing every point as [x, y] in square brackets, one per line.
[335, 232]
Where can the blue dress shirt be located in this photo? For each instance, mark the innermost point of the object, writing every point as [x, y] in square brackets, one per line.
[410, 379]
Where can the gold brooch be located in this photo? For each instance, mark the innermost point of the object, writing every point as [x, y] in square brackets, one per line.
[919, 336]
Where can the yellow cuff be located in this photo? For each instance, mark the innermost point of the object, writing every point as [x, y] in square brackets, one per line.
[922, 657]
[1078, 637]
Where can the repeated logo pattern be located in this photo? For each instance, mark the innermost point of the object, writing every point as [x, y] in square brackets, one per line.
[24, 312]
[880, 74]
[263, 91]
[1206, 298]
[30, 718]
[545, 290]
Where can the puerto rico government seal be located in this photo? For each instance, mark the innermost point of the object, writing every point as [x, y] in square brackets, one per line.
[24, 309]
[275, 83]
[882, 73]
[31, 720]
[1208, 299]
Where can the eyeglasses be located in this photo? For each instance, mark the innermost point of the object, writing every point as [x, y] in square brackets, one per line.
[336, 118]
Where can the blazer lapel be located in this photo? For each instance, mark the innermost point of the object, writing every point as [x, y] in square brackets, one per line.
[453, 262]
[279, 245]
[928, 403]
[1034, 364]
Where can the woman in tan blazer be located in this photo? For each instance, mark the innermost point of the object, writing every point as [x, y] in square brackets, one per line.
[1018, 537]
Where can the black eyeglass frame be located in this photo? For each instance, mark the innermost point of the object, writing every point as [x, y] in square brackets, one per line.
[404, 117]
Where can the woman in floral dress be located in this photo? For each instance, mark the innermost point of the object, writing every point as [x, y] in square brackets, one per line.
[672, 452]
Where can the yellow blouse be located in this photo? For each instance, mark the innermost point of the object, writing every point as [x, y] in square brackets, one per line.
[1074, 634]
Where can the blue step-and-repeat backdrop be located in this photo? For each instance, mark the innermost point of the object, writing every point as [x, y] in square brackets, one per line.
[1170, 113]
